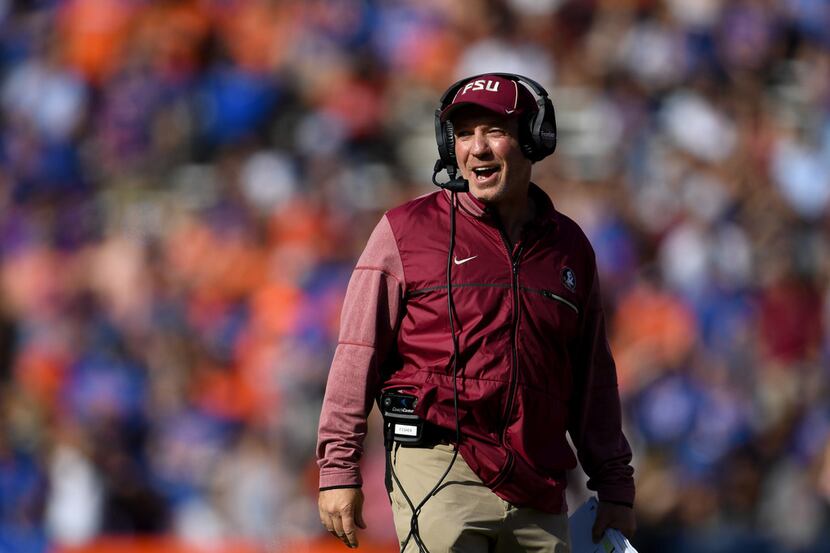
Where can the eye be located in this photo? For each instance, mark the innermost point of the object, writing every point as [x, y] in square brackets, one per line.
[497, 131]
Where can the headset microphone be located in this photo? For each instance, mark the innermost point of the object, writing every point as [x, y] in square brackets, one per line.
[455, 184]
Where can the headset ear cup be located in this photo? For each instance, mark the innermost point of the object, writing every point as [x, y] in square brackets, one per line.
[528, 139]
[547, 138]
[445, 139]
[449, 140]
[541, 130]
[547, 129]
[526, 142]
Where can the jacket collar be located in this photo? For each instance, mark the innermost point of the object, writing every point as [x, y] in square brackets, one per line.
[545, 212]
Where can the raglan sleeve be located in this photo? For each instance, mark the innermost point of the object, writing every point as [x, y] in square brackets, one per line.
[368, 327]
[596, 416]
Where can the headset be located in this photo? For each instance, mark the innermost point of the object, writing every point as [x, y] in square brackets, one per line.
[537, 131]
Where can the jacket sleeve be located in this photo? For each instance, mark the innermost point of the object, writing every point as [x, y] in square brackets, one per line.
[596, 420]
[368, 326]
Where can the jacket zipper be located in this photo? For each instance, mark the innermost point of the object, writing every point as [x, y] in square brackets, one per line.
[514, 367]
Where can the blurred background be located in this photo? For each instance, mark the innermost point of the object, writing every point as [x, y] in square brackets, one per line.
[185, 186]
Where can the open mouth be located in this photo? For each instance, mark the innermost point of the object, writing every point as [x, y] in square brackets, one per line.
[484, 173]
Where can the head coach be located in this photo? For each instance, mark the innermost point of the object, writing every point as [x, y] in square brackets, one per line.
[473, 319]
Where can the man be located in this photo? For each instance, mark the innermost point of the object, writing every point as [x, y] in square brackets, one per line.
[500, 343]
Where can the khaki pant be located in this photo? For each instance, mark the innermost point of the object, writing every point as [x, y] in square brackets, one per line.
[464, 516]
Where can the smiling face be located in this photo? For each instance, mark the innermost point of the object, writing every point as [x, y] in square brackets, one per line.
[489, 156]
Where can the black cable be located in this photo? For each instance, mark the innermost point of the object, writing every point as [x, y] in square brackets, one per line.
[414, 531]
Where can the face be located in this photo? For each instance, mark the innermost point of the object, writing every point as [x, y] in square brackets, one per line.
[489, 156]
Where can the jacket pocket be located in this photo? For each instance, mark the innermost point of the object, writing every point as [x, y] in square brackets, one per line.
[556, 297]
[549, 315]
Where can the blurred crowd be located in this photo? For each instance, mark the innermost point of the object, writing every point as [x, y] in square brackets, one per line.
[186, 184]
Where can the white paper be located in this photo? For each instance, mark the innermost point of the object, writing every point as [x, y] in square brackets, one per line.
[581, 522]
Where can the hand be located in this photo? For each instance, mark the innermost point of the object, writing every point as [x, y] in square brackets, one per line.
[341, 509]
[613, 515]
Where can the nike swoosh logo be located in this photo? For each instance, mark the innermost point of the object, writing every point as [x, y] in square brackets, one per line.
[462, 261]
[509, 111]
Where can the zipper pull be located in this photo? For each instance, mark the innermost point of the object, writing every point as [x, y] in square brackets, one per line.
[516, 259]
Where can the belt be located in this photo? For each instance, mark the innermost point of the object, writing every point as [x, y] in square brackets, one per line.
[434, 435]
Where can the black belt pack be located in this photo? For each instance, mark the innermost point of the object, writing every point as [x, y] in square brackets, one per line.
[400, 423]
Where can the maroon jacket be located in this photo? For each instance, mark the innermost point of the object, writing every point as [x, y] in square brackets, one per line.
[534, 360]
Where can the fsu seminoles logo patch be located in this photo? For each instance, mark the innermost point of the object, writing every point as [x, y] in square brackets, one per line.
[569, 279]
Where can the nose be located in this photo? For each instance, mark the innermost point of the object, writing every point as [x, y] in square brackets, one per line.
[480, 145]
